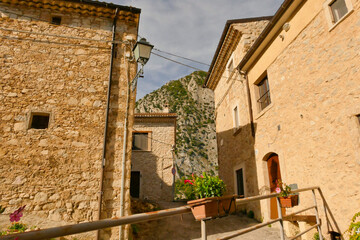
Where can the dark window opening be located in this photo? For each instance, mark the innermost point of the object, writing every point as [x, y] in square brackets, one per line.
[135, 184]
[264, 93]
[140, 141]
[39, 120]
[358, 117]
[240, 182]
[339, 9]
[56, 20]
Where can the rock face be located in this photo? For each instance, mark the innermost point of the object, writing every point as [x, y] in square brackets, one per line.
[196, 149]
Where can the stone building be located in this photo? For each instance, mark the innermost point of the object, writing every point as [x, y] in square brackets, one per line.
[153, 157]
[58, 60]
[288, 105]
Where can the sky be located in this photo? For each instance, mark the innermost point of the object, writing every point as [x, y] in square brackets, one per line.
[187, 28]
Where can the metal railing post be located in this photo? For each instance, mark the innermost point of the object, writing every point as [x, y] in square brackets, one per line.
[203, 230]
[282, 234]
[317, 216]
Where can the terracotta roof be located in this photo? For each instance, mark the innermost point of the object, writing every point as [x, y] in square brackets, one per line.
[84, 7]
[155, 115]
[225, 36]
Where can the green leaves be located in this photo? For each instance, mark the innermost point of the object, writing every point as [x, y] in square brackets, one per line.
[354, 228]
[195, 187]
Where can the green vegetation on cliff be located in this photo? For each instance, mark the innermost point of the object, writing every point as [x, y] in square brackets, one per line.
[195, 137]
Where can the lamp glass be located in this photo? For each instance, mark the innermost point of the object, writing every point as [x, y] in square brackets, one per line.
[142, 51]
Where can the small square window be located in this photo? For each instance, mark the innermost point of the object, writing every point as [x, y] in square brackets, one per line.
[236, 118]
[140, 141]
[338, 9]
[264, 93]
[39, 120]
[56, 20]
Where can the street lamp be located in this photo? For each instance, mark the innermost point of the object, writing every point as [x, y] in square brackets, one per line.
[142, 51]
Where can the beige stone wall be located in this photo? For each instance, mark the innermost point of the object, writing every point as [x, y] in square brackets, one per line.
[156, 181]
[56, 171]
[236, 146]
[314, 86]
[311, 124]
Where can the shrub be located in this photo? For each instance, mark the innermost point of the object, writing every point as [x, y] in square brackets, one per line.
[250, 214]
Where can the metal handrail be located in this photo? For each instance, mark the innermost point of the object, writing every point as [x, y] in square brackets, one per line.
[143, 217]
[96, 225]
[281, 217]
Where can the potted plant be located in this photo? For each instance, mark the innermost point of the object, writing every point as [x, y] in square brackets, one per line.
[287, 200]
[205, 193]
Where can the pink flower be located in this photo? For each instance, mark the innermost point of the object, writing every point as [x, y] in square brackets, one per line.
[15, 216]
[277, 190]
[188, 181]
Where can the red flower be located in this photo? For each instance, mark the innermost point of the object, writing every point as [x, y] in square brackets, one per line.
[188, 181]
[15, 216]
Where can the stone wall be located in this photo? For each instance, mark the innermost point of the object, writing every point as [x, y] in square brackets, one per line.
[236, 146]
[55, 172]
[156, 181]
[312, 122]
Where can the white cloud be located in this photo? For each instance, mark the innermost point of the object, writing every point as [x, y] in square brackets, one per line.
[188, 28]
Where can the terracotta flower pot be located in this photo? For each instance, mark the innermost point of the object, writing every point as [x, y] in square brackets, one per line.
[289, 201]
[212, 207]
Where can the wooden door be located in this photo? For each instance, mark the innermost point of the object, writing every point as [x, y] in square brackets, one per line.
[274, 176]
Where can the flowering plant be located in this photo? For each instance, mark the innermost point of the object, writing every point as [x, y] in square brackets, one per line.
[283, 189]
[195, 187]
[16, 226]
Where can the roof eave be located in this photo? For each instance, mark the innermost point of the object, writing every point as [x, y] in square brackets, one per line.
[223, 36]
[268, 34]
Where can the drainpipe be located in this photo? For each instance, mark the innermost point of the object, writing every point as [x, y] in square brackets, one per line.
[123, 165]
[106, 120]
[249, 102]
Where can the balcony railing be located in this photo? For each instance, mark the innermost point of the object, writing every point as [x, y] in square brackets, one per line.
[143, 217]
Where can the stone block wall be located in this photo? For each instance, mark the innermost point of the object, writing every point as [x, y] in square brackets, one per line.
[312, 123]
[155, 165]
[59, 70]
[236, 146]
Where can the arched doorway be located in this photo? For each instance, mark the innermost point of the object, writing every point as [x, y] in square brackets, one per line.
[273, 166]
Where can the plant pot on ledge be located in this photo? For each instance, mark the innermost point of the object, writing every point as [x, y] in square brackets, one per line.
[212, 207]
[289, 201]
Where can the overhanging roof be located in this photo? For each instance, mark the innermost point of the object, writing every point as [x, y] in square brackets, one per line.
[85, 7]
[285, 11]
[233, 36]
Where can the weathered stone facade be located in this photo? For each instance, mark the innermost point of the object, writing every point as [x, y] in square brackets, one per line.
[312, 122]
[63, 70]
[155, 164]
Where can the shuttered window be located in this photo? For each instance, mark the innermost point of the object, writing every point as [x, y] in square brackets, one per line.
[140, 141]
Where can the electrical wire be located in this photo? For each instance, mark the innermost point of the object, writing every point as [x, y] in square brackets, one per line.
[169, 59]
[156, 49]
[51, 42]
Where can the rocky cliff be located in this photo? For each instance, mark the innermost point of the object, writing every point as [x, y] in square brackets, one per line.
[196, 149]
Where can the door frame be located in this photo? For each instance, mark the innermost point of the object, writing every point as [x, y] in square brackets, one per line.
[238, 167]
[273, 212]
